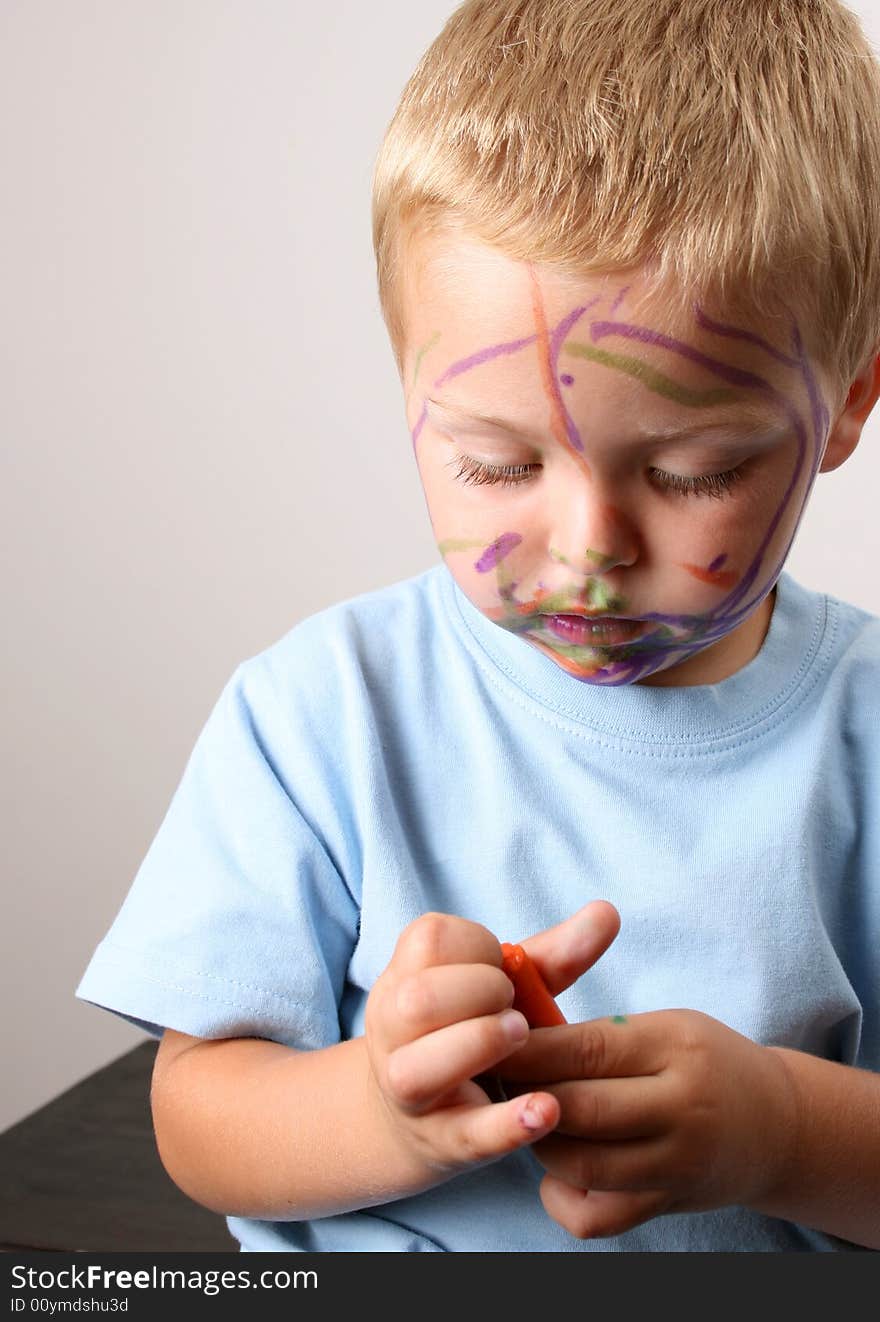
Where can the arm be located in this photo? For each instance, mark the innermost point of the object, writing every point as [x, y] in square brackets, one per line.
[832, 1178]
[672, 1111]
[252, 1128]
[249, 1127]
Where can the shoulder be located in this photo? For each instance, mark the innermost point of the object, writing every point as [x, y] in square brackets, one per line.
[361, 649]
[854, 635]
[850, 633]
[368, 621]
[849, 659]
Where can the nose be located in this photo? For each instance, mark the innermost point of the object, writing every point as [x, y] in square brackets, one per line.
[590, 533]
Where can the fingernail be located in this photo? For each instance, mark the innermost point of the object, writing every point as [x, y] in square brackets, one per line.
[530, 1116]
[514, 1026]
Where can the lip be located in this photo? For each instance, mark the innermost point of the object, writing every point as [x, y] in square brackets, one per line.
[585, 630]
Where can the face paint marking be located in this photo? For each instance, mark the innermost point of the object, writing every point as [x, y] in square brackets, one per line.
[558, 416]
[595, 594]
[482, 356]
[653, 380]
[818, 407]
[416, 432]
[719, 578]
[567, 379]
[601, 561]
[635, 661]
[562, 427]
[458, 544]
[494, 554]
[508, 347]
[734, 333]
[421, 354]
[736, 376]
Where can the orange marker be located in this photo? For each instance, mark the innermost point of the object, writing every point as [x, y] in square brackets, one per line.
[530, 995]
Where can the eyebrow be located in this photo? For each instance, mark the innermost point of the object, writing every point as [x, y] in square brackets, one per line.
[750, 425]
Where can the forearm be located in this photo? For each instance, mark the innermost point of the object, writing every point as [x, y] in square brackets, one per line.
[252, 1128]
[831, 1180]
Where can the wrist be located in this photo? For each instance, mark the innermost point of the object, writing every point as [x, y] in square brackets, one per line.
[397, 1134]
[784, 1135]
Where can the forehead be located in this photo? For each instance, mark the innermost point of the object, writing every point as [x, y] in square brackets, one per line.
[608, 355]
[502, 325]
[469, 285]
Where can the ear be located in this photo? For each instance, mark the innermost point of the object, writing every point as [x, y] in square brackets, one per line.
[846, 431]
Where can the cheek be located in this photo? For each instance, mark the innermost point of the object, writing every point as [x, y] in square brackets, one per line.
[709, 526]
[685, 537]
[728, 542]
[479, 512]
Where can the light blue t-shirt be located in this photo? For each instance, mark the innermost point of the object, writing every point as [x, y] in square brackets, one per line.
[399, 753]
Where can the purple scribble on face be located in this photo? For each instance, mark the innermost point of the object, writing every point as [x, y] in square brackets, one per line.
[494, 554]
[673, 637]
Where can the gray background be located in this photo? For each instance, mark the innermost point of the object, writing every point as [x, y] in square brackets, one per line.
[203, 430]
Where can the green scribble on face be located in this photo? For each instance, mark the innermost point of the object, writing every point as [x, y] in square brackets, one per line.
[602, 561]
[459, 544]
[602, 597]
[656, 381]
[504, 579]
[595, 593]
[584, 654]
[618, 1019]
[420, 356]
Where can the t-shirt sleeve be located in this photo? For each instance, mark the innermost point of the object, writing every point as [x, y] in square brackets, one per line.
[238, 923]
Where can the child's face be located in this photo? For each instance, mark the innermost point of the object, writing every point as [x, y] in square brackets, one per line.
[634, 524]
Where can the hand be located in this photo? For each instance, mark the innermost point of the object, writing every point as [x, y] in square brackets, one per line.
[669, 1111]
[440, 1015]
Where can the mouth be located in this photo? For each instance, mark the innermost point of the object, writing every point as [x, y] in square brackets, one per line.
[593, 630]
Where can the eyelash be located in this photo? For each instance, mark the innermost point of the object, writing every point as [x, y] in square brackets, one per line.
[715, 485]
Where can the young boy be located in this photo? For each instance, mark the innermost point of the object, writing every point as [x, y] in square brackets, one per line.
[629, 260]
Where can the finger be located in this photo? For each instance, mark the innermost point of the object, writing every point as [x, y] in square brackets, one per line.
[632, 1166]
[618, 1047]
[477, 1134]
[562, 953]
[422, 1072]
[442, 938]
[594, 1213]
[613, 1109]
[447, 993]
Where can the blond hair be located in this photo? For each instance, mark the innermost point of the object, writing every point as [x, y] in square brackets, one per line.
[732, 147]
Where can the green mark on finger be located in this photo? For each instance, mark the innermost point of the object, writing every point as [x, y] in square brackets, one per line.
[618, 1019]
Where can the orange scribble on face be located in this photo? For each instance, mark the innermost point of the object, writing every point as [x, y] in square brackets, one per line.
[541, 594]
[580, 669]
[716, 578]
[558, 429]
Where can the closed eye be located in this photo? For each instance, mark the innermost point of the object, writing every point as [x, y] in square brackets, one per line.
[710, 484]
[475, 472]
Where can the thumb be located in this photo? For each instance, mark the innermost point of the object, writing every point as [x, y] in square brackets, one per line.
[564, 952]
